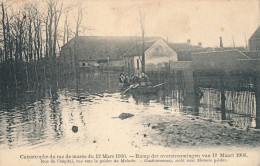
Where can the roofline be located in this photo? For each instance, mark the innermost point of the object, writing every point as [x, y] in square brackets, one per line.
[254, 32]
[159, 37]
[195, 49]
[121, 36]
[219, 51]
[124, 55]
[244, 54]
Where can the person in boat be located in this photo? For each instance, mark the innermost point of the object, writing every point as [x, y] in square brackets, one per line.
[135, 79]
[126, 81]
[145, 79]
[121, 79]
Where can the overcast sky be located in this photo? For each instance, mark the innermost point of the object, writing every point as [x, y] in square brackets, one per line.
[201, 21]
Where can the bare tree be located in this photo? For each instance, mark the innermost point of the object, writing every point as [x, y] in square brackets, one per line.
[66, 28]
[142, 24]
[4, 32]
[57, 14]
[51, 15]
[26, 33]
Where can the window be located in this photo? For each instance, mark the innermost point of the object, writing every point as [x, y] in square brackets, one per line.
[83, 64]
[137, 62]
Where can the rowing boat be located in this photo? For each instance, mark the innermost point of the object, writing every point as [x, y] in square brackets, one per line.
[136, 88]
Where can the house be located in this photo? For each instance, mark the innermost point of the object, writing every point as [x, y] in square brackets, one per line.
[184, 46]
[229, 48]
[184, 50]
[157, 54]
[100, 52]
[185, 55]
[252, 54]
[218, 60]
[254, 40]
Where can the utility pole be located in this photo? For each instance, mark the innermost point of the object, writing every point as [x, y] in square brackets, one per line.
[234, 45]
[142, 19]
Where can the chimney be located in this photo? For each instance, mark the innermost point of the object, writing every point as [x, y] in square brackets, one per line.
[200, 44]
[188, 41]
[220, 42]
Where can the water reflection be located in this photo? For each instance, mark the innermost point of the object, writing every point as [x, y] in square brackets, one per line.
[46, 115]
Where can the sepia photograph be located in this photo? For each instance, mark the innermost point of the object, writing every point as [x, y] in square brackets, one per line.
[130, 82]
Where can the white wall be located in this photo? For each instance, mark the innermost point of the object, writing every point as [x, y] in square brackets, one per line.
[158, 53]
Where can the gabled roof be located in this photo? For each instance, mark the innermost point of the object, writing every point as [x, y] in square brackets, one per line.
[102, 47]
[252, 54]
[235, 54]
[182, 46]
[136, 49]
[229, 48]
[186, 54]
[206, 49]
[256, 34]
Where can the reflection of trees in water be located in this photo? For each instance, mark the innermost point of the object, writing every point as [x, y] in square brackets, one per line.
[9, 129]
[27, 121]
[55, 113]
[26, 115]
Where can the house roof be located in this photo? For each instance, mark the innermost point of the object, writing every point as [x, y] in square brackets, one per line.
[229, 48]
[206, 49]
[182, 46]
[185, 55]
[256, 34]
[136, 49]
[252, 54]
[233, 54]
[102, 47]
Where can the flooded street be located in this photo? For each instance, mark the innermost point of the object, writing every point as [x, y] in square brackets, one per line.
[185, 112]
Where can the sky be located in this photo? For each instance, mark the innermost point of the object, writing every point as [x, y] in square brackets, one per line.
[178, 20]
[200, 20]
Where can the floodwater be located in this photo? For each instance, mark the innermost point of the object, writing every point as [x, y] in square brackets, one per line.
[188, 110]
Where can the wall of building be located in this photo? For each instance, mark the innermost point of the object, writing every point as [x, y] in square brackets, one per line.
[254, 44]
[90, 63]
[156, 56]
[225, 60]
[160, 52]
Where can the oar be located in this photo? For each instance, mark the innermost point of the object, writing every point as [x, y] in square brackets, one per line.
[158, 85]
[131, 86]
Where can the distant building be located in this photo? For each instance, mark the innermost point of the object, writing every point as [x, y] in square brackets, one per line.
[252, 54]
[229, 48]
[157, 54]
[185, 55]
[184, 50]
[184, 46]
[254, 40]
[218, 60]
[99, 51]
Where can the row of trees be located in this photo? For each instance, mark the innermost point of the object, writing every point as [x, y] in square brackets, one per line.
[31, 38]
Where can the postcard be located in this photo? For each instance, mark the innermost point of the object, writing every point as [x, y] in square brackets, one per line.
[148, 82]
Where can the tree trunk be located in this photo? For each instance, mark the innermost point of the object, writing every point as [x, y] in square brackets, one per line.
[4, 33]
